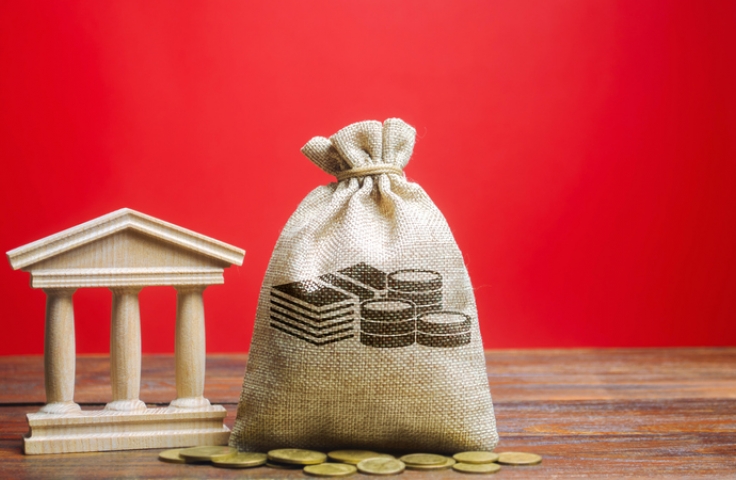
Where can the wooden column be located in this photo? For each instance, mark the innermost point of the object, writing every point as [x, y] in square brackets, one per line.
[190, 348]
[59, 354]
[125, 350]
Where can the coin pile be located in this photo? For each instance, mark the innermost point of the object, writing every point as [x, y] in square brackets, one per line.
[427, 461]
[226, 457]
[341, 463]
[485, 462]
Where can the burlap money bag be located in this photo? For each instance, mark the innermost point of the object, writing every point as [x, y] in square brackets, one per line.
[366, 334]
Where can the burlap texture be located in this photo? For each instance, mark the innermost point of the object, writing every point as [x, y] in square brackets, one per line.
[315, 377]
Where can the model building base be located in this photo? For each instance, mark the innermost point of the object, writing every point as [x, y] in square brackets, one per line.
[104, 430]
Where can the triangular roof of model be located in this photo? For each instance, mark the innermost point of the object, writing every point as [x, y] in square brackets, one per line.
[117, 221]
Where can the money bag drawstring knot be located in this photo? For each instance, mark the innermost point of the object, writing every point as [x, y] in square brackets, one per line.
[369, 170]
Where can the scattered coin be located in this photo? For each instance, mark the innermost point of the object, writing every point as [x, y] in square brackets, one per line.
[172, 456]
[476, 467]
[381, 466]
[297, 456]
[365, 461]
[449, 463]
[476, 457]
[519, 458]
[354, 457]
[423, 459]
[241, 460]
[207, 454]
[330, 470]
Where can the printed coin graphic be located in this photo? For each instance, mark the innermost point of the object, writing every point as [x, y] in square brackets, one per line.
[423, 459]
[387, 341]
[448, 463]
[354, 457]
[207, 454]
[430, 297]
[477, 467]
[476, 457]
[387, 310]
[241, 460]
[297, 456]
[414, 280]
[519, 458]
[330, 470]
[443, 341]
[380, 327]
[381, 466]
[444, 323]
[172, 456]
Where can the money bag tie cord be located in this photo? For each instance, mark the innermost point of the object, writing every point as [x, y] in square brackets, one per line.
[370, 170]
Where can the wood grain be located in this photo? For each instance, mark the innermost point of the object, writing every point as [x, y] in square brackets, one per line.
[574, 374]
[619, 413]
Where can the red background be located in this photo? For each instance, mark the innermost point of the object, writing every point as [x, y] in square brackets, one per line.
[584, 152]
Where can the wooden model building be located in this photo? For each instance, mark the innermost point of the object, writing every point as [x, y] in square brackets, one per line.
[125, 251]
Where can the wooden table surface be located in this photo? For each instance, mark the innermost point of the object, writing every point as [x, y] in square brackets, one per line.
[591, 413]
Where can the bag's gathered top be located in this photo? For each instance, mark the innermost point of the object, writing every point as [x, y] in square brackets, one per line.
[364, 148]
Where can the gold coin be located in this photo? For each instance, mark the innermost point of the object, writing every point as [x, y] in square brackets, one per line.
[450, 462]
[297, 456]
[476, 467]
[330, 470]
[381, 466]
[519, 458]
[207, 454]
[354, 457]
[241, 460]
[476, 457]
[423, 459]
[172, 456]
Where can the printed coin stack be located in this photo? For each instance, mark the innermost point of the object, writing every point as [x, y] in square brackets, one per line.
[443, 329]
[387, 323]
[421, 287]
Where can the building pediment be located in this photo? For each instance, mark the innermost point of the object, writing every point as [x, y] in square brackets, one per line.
[125, 248]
